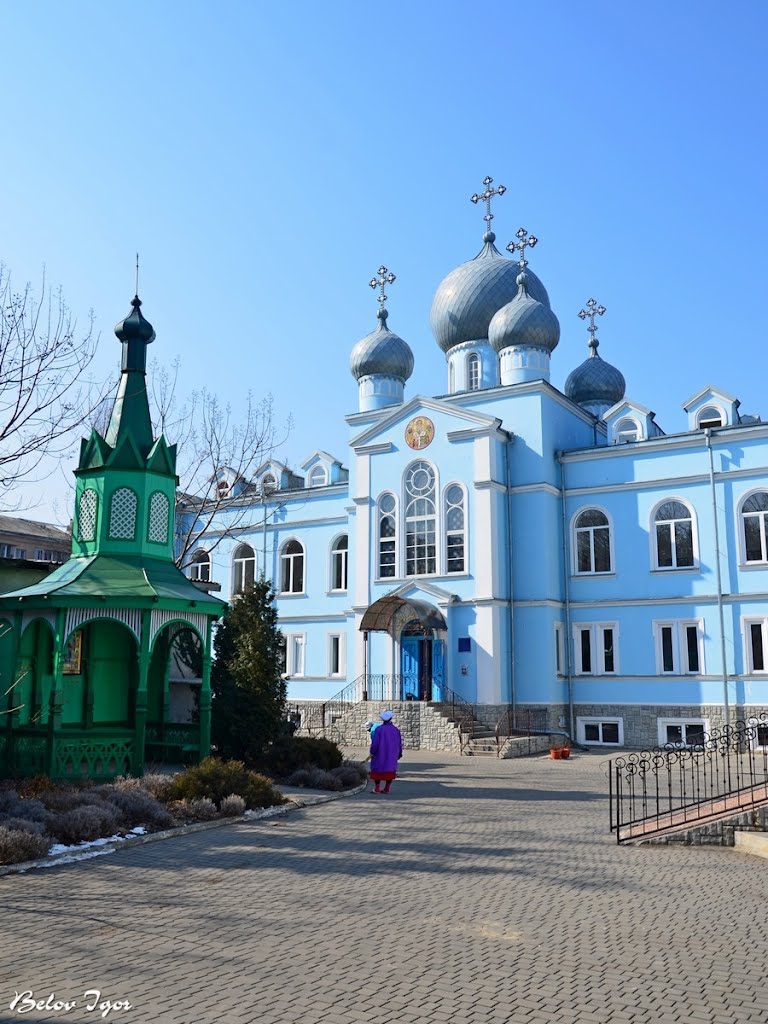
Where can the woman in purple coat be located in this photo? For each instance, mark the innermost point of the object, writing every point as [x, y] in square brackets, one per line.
[386, 751]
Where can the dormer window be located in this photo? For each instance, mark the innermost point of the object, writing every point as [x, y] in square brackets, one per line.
[709, 417]
[268, 484]
[222, 488]
[317, 477]
[626, 431]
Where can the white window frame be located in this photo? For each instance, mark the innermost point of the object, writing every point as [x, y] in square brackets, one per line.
[575, 571]
[679, 629]
[655, 567]
[662, 723]
[711, 407]
[342, 655]
[238, 567]
[597, 648]
[296, 655]
[758, 723]
[747, 621]
[199, 558]
[343, 554]
[291, 557]
[756, 563]
[621, 436]
[395, 513]
[315, 474]
[474, 380]
[402, 525]
[600, 721]
[443, 525]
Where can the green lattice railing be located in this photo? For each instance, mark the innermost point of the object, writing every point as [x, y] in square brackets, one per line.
[84, 757]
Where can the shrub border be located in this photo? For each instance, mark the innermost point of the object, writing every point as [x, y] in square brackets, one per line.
[293, 803]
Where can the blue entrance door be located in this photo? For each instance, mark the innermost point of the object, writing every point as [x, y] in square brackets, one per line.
[438, 669]
[410, 651]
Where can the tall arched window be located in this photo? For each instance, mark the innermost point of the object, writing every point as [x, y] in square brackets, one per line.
[86, 515]
[753, 513]
[454, 525]
[200, 566]
[339, 553]
[673, 526]
[593, 541]
[122, 514]
[420, 525]
[387, 536]
[292, 566]
[318, 477]
[473, 372]
[244, 564]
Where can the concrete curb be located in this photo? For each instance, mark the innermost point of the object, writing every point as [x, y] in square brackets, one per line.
[293, 802]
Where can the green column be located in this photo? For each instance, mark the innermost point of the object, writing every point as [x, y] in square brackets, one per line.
[205, 696]
[6, 762]
[56, 700]
[140, 708]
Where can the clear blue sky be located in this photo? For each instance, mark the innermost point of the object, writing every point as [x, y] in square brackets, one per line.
[266, 158]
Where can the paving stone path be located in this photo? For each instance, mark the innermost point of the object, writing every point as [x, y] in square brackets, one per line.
[478, 892]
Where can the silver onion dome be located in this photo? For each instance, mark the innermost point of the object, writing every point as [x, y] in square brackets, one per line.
[382, 352]
[595, 380]
[467, 299]
[524, 322]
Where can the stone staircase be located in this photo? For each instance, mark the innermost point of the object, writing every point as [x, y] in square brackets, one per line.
[477, 738]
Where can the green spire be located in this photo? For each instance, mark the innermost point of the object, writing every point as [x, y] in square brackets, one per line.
[130, 413]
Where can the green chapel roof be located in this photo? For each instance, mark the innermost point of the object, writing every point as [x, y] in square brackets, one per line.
[116, 581]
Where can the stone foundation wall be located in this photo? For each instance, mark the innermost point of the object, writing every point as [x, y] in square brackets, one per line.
[640, 720]
[716, 833]
[421, 726]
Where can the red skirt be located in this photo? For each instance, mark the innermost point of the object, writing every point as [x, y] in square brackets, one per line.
[383, 776]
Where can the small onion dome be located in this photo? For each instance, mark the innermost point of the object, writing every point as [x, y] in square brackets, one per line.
[595, 380]
[524, 322]
[135, 327]
[466, 300]
[381, 352]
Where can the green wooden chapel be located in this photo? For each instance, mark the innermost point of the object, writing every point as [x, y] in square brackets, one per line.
[85, 653]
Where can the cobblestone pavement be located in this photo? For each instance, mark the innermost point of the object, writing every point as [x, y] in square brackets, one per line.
[478, 891]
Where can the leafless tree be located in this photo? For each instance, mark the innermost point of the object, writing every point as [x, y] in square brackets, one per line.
[45, 393]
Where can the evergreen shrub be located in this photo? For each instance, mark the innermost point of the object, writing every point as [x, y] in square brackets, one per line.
[217, 780]
[17, 846]
[289, 753]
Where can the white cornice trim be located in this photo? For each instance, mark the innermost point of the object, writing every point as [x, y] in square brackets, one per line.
[288, 525]
[668, 481]
[470, 434]
[374, 449]
[533, 488]
[702, 599]
[340, 617]
[490, 485]
[724, 435]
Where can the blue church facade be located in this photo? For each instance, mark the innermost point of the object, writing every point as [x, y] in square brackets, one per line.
[512, 544]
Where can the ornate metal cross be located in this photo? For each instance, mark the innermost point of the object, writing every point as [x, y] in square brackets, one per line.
[383, 279]
[487, 196]
[523, 240]
[590, 313]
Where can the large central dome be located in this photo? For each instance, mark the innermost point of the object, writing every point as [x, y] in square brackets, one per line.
[467, 299]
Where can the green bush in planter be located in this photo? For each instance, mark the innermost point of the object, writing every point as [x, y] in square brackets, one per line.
[217, 780]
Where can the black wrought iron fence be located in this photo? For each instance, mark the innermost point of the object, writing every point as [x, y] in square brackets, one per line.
[521, 722]
[667, 787]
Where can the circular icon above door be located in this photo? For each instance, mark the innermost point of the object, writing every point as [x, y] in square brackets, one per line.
[419, 432]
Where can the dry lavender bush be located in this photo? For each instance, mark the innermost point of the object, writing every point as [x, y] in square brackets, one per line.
[344, 777]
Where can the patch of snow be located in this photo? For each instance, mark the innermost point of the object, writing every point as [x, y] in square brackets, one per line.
[73, 858]
[58, 848]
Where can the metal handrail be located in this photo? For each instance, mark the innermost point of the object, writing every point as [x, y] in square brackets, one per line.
[523, 722]
[673, 785]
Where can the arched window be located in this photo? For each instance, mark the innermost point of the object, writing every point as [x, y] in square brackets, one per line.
[318, 477]
[387, 536]
[222, 488]
[451, 379]
[709, 417]
[593, 541]
[86, 515]
[244, 565]
[339, 553]
[122, 514]
[473, 372]
[673, 524]
[753, 513]
[292, 564]
[200, 566]
[454, 524]
[625, 431]
[268, 484]
[420, 526]
[159, 514]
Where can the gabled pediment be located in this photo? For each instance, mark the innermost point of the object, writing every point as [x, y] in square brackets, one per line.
[711, 407]
[162, 457]
[94, 451]
[462, 418]
[422, 590]
[126, 455]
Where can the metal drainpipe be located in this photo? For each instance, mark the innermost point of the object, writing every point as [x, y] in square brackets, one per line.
[708, 438]
[567, 595]
[511, 612]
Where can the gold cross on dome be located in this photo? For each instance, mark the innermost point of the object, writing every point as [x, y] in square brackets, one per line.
[524, 240]
[383, 279]
[487, 196]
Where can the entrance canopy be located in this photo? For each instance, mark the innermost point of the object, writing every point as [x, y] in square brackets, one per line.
[381, 615]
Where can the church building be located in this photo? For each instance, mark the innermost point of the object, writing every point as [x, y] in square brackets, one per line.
[510, 545]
